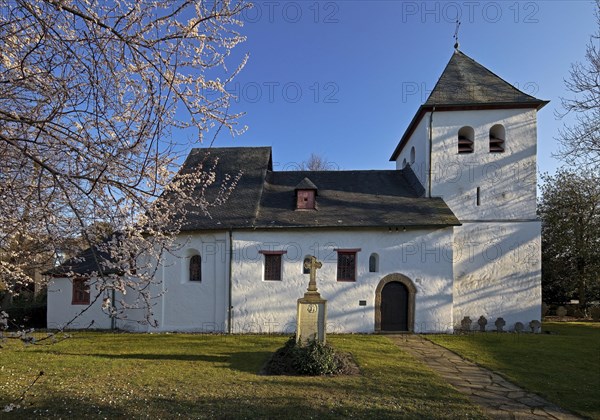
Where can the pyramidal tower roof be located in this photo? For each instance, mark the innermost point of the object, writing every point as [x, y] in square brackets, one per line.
[467, 85]
[466, 82]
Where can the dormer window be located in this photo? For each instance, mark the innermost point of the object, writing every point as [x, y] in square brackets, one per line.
[306, 192]
[497, 136]
[305, 199]
[465, 139]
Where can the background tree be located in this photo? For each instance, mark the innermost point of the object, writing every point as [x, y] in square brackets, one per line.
[581, 141]
[317, 163]
[570, 212]
[90, 95]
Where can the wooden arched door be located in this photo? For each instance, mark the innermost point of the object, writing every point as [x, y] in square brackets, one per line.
[394, 307]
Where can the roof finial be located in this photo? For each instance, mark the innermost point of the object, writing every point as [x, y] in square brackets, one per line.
[456, 44]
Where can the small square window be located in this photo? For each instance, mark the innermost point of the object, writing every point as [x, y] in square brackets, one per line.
[81, 292]
[305, 199]
[272, 266]
[346, 267]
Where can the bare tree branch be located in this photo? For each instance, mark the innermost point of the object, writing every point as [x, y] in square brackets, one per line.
[581, 141]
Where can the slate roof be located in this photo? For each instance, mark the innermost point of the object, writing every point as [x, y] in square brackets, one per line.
[242, 206]
[306, 184]
[265, 198]
[466, 84]
[382, 198]
[86, 262]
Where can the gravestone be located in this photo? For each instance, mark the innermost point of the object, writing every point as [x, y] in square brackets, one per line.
[465, 324]
[312, 309]
[519, 327]
[500, 323]
[535, 326]
[482, 321]
[545, 309]
[561, 311]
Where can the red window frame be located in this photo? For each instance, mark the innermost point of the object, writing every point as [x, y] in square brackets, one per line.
[346, 264]
[272, 268]
[81, 292]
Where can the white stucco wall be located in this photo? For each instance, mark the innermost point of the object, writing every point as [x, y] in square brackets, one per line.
[61, 310]
[420, 141]
[496, 265]
[498, 272]
[270, 306]
[193, 306]
[507, 181]
[178, 304]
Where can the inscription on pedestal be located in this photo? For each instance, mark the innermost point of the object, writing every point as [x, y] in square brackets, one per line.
[311, 321]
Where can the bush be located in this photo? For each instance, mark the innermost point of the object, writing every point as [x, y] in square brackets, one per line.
[314, 358]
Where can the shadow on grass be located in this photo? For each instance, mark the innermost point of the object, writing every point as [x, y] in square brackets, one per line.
[222, 408]
[155, 356]
[248, 362]
[66, 407]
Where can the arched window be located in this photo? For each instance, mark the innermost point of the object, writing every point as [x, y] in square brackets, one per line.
[465, 139]
[497, 137]
[404, 163]
[412, 155]
[306, 270]
[373, 263]
[195, 268]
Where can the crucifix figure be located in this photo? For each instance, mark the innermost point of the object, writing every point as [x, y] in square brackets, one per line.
[312, 265]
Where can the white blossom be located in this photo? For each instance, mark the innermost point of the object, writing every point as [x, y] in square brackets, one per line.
[89, 94]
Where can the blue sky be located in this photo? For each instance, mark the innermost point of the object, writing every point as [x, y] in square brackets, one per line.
[343, 79]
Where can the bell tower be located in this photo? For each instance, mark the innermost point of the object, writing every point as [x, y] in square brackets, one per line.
[475, 140]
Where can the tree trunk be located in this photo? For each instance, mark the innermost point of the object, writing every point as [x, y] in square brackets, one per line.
[581, 271]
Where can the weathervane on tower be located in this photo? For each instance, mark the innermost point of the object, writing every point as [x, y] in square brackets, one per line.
[456, 44]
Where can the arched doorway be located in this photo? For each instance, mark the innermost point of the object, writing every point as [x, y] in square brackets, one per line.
[395, 304]
[394, 307]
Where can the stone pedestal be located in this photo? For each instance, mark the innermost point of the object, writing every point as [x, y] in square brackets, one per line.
[312, 316]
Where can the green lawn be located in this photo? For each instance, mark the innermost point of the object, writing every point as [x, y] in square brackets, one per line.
[97, 375]
[563, 366]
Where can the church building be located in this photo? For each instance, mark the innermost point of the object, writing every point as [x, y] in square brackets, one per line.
[450, 233]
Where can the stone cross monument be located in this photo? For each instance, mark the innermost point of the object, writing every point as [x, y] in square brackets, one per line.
[312, 309]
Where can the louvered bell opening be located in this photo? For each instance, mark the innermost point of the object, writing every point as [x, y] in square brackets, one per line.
[497, 136]
[464, 145]
[496, 144]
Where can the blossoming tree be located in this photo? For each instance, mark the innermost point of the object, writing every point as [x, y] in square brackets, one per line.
[92, 97]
